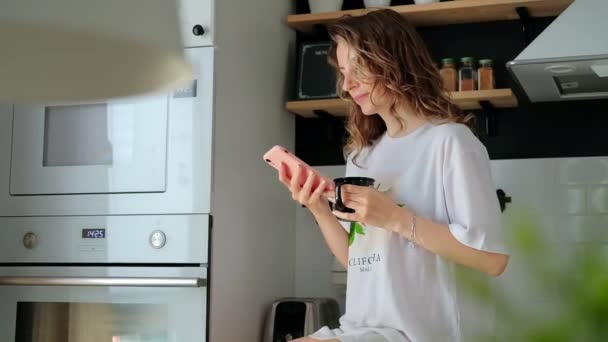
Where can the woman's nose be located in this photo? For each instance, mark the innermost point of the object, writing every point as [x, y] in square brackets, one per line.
[348, 83]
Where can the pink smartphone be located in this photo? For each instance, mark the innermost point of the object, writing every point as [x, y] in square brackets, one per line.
[279, 154]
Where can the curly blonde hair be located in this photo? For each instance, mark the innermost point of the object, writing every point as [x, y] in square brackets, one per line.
[388, 52]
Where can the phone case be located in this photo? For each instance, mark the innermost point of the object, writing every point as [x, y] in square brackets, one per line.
[278, 154]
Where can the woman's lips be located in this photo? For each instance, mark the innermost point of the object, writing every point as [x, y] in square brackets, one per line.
[360, 98]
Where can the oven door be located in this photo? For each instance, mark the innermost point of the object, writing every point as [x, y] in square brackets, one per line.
[115, 304]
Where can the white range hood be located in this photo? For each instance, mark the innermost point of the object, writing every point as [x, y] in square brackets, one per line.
[569, 59]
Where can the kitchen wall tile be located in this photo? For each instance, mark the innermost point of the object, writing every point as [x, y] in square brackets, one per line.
[543, 197]
[528, 171]
[598, 200]
[545, 225]
[534, 313]
[573, 199]
[587, 228]
[599, 250]
[524, 273]
[592, 170]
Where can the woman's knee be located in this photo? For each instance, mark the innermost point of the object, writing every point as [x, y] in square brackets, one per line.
[304, 339]
[310, 339]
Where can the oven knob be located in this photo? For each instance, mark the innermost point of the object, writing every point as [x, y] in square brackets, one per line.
[30, 240]
[158, 239]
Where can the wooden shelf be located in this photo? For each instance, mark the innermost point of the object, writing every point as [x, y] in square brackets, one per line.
[444, 13]
[467, 100]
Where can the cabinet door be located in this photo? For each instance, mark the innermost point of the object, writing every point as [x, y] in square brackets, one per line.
[197, 22]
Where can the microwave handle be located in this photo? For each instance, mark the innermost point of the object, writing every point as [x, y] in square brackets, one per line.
[103, 281]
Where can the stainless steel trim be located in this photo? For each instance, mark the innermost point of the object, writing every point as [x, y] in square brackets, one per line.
[551, 60]
[103, 281]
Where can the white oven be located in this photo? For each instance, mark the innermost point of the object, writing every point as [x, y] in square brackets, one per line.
[105, 210]
[141, 155]
[110, 279]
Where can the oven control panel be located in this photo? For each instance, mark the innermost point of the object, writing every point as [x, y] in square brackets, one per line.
[106, 239]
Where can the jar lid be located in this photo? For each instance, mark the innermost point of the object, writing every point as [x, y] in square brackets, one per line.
[487, 62]
[447, 61]
[467, 59]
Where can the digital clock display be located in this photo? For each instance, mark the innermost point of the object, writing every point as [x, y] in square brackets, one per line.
[94, 233]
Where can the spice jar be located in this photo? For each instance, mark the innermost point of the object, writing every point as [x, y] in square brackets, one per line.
[485, 74]
[449, 74]
[467, 75]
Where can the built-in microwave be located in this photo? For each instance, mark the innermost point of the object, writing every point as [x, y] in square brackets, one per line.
[150, 154]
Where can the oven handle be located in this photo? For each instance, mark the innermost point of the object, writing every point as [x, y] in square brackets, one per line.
[103, 281]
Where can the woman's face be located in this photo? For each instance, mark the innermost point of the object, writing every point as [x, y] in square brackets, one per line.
[359, 90]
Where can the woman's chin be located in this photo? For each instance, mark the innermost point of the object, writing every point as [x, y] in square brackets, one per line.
[368, 111]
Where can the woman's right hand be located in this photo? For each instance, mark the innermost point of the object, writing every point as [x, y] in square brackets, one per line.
[313, 199]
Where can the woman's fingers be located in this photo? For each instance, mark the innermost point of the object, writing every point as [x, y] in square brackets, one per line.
[303, 193]
[283, 175]
[354, 189]
[349, 197]
[317, 193]
[346, 216]
[306, 188]
[294, 184]
[353, 205]
[330, 195]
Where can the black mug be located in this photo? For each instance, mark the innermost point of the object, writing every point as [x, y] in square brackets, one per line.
[360, 181]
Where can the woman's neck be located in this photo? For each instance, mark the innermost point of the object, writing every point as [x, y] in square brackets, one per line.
[405, 121]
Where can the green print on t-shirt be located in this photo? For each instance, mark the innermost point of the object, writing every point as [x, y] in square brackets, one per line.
[355, 228]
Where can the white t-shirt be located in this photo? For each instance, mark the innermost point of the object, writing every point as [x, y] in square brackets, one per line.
[400, 290]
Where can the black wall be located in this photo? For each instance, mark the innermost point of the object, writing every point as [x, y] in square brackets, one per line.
[532, 130]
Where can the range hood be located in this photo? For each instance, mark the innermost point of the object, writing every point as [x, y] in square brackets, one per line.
[569, 59]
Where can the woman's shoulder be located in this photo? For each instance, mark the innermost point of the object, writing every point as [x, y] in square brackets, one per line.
[452, 130]
[458, 136]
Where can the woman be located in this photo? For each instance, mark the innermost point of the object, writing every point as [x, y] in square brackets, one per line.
[436, 207]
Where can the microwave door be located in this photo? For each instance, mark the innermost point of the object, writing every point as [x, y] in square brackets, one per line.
[99, 148]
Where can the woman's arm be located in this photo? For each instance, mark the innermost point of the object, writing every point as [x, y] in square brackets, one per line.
[438, 239]
[334, 234]
[377, 209]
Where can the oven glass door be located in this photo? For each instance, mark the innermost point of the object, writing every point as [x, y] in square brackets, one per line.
[119, 146]
[131, 313]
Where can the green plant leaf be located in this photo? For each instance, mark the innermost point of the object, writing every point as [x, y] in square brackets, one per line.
[351, 234]
[359, 228]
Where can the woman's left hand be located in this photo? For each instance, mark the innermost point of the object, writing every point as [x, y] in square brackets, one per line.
[371, 206]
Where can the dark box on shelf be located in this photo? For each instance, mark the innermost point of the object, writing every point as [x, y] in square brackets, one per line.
[316, 79]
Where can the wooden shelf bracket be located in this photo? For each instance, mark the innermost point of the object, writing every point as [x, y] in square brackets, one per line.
[526, 20]
[491, 121]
